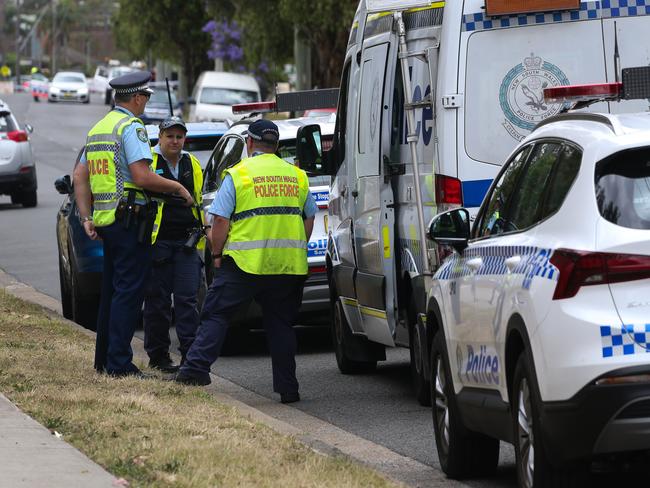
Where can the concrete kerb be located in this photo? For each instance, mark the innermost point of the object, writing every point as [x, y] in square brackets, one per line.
[319, 435]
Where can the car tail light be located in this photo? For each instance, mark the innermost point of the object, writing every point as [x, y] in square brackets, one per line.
[17, 135]
[317, 269]
[448, 190]
[582, 268]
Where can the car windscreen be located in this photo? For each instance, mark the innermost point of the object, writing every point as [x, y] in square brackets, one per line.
[7, 123]
[160, 96]
[69, 79]
[226, 96]
[201, 143]
[623, 188]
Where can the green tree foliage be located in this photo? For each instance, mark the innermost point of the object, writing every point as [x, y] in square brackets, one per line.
[269, 32]
[171, 30]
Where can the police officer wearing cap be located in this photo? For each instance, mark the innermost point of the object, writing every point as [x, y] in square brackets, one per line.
[176, 266]
[109, 182]
[263, 218]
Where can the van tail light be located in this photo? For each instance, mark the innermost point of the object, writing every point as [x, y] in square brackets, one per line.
[448, 190]
[583, 268]
[17, 135]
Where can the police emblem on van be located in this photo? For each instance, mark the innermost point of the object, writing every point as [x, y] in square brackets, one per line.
[521, 95]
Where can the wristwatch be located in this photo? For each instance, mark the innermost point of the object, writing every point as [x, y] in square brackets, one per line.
[88, 218]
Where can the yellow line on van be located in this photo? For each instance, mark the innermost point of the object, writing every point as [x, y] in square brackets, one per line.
[430, 7]
[373, 312]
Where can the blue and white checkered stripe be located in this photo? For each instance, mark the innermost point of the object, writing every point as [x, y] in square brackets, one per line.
[535, 262]
[600, 9]
[625, 340]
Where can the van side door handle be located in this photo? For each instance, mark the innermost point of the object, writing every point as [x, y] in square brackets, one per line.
[355, 193]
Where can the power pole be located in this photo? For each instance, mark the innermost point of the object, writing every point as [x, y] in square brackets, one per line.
[18, 43]
[302, 54]
[53, 57]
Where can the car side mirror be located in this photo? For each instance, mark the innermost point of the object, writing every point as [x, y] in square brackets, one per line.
[191, 101]
[64, 185]
[309, 150]
[451, 228]
[29, 128]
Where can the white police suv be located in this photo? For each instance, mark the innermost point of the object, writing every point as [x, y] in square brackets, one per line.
[540, 318]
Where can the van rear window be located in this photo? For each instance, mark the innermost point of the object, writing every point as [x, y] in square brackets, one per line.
[225, 96]
[623, 188]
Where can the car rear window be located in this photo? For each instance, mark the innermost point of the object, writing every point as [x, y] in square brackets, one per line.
[7, 123]
[623, 188]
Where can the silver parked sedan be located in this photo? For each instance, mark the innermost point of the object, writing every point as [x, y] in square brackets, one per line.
[17, 168]
[69, 86]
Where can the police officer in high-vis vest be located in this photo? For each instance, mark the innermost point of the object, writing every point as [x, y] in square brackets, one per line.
[263, 218]
[109, 181]
[176, 266]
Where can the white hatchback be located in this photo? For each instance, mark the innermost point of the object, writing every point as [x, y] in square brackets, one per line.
[540, 319]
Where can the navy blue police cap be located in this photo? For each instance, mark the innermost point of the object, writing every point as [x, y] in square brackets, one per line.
[134, 82]
[172, 122]
[264, 131]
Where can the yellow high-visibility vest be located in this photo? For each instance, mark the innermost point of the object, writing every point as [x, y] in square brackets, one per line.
[102, 157]
[267, 232]
[197, 177]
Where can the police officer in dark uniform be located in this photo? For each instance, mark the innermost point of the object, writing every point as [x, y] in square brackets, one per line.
[176, 267]
[112, 174]
[263, 218]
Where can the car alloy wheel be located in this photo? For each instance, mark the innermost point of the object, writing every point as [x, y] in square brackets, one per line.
[441, 407]
[525, 434]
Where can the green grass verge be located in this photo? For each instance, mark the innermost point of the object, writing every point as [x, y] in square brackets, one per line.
[152, 433]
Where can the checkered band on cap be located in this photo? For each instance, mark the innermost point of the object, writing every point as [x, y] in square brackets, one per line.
[134, 89]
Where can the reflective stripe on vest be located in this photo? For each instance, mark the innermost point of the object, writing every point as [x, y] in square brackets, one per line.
[102, 157]
[267, 231]
[197, 177]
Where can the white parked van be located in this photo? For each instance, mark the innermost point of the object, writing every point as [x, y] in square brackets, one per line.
[433, 98]
[216, 92]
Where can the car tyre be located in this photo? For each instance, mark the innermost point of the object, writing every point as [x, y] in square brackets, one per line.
[533, 467]
[29, 199]
[87, 100]
[15, 198]
[84, 308]
[462, 452]
[66, 296]
[36, 99]
[418, 350]
[342, 338]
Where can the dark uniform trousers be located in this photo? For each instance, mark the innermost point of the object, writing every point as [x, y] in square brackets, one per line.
[278, 295]
[174, 270]
[126, 270]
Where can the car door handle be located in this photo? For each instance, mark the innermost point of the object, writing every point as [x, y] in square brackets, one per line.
[512, 262]
[475, 263]
[343, 191]
[355, 193]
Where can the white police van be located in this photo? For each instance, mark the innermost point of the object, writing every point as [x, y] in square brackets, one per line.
[539, 318]
[433, 97]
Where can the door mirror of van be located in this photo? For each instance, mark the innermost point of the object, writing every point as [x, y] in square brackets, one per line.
[64, 185]
[309, 149]
[451, 228]
[29, 128]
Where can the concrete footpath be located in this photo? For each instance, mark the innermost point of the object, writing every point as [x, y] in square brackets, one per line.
[82, 472]
[32, 456]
